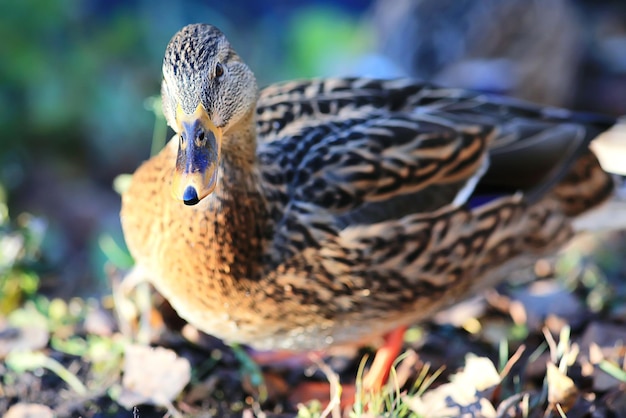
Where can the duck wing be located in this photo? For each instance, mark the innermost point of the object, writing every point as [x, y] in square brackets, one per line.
[363, 151]
[391, 210]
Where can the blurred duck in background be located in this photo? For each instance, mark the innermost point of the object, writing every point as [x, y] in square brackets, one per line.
[554, 52]
[529, 49]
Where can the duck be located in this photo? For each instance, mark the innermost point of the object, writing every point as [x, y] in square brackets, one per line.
[336, 212]
[532, 50]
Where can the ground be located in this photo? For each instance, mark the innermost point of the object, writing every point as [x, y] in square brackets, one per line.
[568, 311]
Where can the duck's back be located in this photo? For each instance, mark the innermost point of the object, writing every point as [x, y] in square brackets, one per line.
[386, 148]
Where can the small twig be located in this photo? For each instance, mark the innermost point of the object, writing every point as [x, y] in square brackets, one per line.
[560, 411]
[502, 410]
[514, 359]
[171, 410]
[334, 406]
[552, 344]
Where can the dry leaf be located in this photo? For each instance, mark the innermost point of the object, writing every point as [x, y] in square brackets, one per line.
[609, 146]
[604, 341]
[29, 410]
[561, 389]
[479, 372]
[152, 376]
[23, 338]
[467, 390]
[595, 354]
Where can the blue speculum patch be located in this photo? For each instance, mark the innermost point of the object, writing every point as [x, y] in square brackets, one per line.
[480, 200]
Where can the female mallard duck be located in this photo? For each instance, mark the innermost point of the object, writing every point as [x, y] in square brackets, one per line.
[335, 211]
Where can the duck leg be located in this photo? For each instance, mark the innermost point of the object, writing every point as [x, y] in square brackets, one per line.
[373, 381]
[378, 374]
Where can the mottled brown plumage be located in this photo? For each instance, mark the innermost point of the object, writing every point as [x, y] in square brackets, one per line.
[341, 209]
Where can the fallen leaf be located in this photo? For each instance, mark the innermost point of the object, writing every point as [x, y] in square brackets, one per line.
[152, 376]
[22, 338]
[604, 341]
[561, 389]
[595, 354]
[29, 410]
[467, 390]
[609, 146]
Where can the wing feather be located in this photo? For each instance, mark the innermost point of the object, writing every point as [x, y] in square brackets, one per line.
[365, 151]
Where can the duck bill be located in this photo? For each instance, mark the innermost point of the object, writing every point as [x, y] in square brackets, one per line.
[197, 162]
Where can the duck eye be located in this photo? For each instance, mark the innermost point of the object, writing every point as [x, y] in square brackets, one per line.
[219, 70]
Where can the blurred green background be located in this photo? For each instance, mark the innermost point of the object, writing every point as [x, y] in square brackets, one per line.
[78, 81]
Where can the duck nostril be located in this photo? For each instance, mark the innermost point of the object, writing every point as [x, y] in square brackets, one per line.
[190, 197]
[201, 136]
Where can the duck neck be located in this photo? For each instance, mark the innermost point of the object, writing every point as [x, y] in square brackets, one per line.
[239, 145]
[238, 174]
[237, 208]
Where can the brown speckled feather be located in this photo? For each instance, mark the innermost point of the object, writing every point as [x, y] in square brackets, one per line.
[348, 207]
